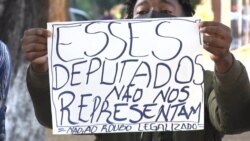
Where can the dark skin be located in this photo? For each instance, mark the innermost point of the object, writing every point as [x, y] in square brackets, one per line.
[217, 37]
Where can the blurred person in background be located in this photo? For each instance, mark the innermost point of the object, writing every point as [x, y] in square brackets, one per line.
[107, 15]
[5, 72]
[227, 89]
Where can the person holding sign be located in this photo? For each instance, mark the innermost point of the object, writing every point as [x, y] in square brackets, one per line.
[227, 89]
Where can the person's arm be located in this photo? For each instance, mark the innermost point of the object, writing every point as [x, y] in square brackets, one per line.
[229, 102]
[34, 47]
[38, 87]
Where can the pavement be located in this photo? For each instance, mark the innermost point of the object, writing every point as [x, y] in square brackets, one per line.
[50, 137]
[239, 137]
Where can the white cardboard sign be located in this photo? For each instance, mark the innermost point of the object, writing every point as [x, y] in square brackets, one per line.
[126, 76]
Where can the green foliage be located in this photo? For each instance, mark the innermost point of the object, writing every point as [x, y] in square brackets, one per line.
[195, 2]
[95, 8]
[106, 4]
[86, 5]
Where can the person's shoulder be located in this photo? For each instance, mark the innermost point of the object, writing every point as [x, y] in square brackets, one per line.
[3, 46]
[5, 58]
[2, 43]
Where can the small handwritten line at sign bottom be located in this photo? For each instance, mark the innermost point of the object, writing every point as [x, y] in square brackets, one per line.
[61, 130]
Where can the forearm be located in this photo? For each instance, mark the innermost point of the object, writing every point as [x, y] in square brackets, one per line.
[230, 100]
[38, 86]
[225, 64]
[232, 87]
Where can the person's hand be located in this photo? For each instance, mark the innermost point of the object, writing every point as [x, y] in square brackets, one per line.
[34, 47]
[217, 39]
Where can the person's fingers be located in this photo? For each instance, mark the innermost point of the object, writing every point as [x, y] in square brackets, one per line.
[34, 43]
[214, 50]
[33, 39]
[34, 47]
[214, 28]
[212, 23]
[40, 64]
[31, 56]
[216, 53]
[41, 60]
[214, 41]
[217, 39]
[37, 31]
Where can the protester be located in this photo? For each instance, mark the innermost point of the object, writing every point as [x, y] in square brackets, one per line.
[5, 72]
[227, 89]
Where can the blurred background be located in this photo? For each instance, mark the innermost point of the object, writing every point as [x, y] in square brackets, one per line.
[18, 15]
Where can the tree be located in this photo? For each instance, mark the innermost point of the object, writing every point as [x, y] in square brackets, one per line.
[15, 17]
[18, 15]
[58, 10]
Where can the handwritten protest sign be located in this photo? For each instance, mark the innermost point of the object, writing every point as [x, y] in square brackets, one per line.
[126, 76]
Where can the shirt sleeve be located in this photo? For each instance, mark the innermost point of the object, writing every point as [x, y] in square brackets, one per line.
[38, 87]
[229, 101]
